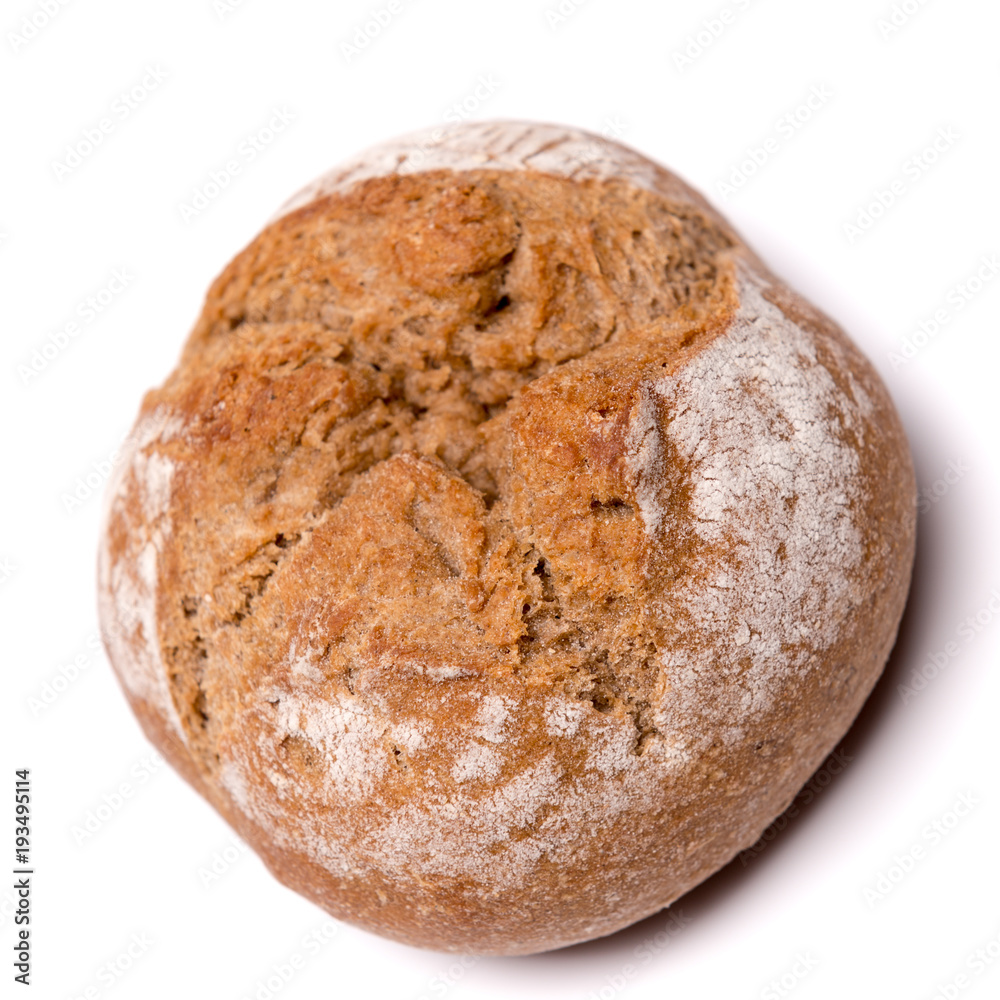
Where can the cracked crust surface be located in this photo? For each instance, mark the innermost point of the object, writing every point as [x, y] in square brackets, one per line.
[508, 546]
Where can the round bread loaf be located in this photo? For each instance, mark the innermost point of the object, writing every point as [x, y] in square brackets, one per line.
[509, 545]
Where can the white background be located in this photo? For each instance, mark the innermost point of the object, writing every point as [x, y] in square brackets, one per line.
[608, 65]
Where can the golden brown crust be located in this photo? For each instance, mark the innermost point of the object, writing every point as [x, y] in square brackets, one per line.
[506, 550]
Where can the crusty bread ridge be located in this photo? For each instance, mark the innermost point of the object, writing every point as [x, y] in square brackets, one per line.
[509, 545]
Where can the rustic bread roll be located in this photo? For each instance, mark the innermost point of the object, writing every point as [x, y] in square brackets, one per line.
[509, 545]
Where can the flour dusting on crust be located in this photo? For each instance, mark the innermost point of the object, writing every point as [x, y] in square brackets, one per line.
[128, 585]
[503, 145]
[762, 428]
